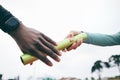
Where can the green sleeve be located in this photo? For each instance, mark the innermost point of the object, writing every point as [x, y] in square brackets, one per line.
[103, 39]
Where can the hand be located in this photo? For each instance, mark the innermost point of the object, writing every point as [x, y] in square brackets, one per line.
[36, 43]
[75, 44]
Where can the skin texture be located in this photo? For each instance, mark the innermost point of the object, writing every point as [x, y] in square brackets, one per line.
[75, 44]
[35, 43]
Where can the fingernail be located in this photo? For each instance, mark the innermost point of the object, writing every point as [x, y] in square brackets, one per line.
[60, 54]
[58, 59]
[56, 44]
[50, 64]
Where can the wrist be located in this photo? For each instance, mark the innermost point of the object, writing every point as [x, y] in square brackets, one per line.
[15, 33]
[11, 25]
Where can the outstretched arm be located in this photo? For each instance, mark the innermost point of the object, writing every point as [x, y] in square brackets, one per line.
[29, 40]
[103, 39]
[94, 39]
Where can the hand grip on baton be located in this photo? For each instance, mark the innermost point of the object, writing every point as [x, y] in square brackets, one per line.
[27, 58]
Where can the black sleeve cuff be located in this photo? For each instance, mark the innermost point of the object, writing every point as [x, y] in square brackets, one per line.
[8, 22]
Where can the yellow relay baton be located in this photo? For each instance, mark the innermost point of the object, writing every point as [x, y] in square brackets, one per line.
[27, 58]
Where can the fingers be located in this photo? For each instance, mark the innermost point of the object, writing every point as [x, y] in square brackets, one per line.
[40, 55]
[48, 46]
[75, 45]
[48, 39]
[75, 32]
[70, 36]
[41, 47]
[49, 43]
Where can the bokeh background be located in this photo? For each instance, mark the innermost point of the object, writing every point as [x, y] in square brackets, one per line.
[56, 18]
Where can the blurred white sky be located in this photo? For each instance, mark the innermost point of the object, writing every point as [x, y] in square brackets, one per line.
[56, 18]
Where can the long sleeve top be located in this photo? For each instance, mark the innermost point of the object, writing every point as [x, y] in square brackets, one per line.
[103, 39]
[4, 16]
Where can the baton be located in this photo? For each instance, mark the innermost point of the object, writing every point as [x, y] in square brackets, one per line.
[27, 58]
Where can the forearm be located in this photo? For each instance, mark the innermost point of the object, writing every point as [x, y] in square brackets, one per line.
[103, 39]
